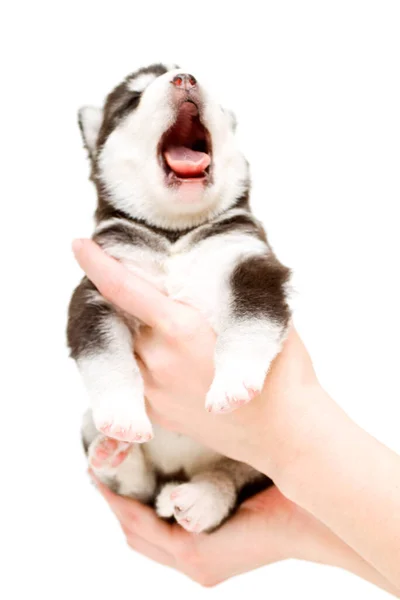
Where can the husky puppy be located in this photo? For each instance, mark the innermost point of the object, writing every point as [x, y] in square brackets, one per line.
[173, 205]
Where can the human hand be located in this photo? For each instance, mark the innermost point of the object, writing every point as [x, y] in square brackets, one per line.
[266, 529]
[259, 533]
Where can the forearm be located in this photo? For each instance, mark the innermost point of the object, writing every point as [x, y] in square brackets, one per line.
[324, 547]
[350, 482]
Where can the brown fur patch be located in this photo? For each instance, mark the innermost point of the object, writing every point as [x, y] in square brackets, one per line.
[243, 223]
[130, 233]
[258, 288]
[85, 317]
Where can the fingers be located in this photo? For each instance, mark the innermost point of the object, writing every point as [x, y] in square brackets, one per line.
[139, 520]
[146, 533]
[128, 513]
[124, 289]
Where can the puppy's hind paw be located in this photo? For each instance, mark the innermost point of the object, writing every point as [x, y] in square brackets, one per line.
[106, 454]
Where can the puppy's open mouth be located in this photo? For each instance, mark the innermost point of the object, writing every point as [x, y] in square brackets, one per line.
[186, 147]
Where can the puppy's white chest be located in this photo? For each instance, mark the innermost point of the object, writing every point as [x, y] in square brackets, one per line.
[188, 278]
[197, 276]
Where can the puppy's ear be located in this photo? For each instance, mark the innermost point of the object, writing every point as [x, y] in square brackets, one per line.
[90, 119]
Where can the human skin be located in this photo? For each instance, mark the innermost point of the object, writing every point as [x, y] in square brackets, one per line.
[343, 489]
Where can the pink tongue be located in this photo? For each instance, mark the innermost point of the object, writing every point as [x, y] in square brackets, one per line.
[184, 161]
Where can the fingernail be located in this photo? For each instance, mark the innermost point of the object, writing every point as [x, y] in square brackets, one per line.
[77, 245]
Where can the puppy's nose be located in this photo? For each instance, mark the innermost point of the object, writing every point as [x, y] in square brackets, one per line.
[184, 81]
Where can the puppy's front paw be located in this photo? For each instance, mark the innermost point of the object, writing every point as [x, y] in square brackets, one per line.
[123, 423]
[198, 505]
[235, 386]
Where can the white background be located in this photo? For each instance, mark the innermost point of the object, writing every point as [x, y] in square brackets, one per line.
[315, 86]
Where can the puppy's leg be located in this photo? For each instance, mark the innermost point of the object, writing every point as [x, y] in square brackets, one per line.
[102, 346]
[119, 465]
[122, 467]
[205, 501]
[252, 333]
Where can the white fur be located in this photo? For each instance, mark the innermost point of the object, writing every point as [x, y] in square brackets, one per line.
[244, 352]
[94, 297]
[140, 83]
[172, 452]
[90, 119]
[133, 476]
[200, 504]
[105, 224]
[89, 431]
[164, 503]
[115, 385]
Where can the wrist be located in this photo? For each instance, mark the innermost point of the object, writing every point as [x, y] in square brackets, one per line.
[290, 437]
[320, 448]
[312, 541]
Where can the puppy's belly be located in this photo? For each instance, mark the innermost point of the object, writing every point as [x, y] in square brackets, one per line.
[172, 452]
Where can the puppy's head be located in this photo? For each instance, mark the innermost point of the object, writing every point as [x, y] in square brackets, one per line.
[163, 150]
